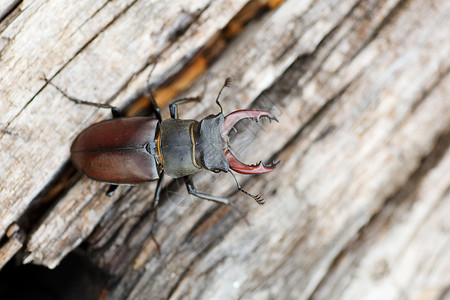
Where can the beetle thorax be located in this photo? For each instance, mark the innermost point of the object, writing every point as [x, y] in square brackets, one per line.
[187, 146]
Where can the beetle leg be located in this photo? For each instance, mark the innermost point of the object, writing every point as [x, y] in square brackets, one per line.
[154, 104]
[191, 190]
[157, 196]
[154, 209]
[258, 198]
[114, 110]
[150, 92]
[174, 105]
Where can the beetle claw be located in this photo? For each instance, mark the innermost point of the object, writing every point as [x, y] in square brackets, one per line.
[240, 167]
[237, 166]
[234, 117]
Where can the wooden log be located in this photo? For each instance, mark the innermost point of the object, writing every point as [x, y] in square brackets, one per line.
[356, 209]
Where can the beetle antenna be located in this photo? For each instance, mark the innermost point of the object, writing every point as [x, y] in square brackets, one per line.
[258, 198]
[227, 83]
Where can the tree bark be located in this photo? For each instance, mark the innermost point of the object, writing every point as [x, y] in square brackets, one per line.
[357, 208]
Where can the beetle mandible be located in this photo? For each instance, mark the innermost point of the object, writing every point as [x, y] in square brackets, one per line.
[133, 150]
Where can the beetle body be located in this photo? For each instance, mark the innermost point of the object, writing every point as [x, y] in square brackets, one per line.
[142, 149]
[135, 150]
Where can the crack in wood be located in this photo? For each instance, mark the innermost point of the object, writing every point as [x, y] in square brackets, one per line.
[9, 10]
[384, 22]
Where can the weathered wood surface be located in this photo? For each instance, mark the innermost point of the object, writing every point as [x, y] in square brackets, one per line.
[358, 207]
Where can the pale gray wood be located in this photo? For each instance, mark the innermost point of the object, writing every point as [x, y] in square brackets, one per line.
[402, 254]
[354, 210]
[375, 73]
[95, 48]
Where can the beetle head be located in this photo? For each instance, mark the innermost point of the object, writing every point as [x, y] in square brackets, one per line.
[222, 159]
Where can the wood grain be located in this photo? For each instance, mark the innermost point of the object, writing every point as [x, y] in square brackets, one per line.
[357, 208]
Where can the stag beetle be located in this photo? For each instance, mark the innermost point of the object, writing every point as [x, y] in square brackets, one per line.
[135, 150]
